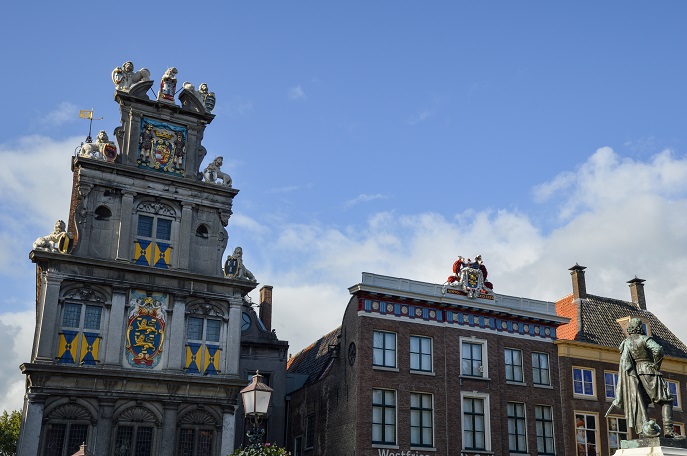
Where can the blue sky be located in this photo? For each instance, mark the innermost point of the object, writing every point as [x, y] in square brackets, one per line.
[385, 137]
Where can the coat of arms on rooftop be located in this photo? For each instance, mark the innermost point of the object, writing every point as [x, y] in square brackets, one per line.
[161, 146]
[470, 278]
[145, 331]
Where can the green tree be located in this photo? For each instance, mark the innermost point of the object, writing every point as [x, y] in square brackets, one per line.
[267, 449]
[9, 432]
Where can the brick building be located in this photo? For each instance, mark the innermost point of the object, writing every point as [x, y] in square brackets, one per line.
[416, 369]
[588, 362]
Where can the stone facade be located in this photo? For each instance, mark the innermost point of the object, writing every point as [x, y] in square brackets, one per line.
[138, 330]
[398, 375]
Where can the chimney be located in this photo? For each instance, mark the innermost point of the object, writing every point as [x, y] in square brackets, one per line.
[266, 306]
[637, 292]
[578, 284]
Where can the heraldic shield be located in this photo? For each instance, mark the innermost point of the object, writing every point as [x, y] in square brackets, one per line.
[145, 332]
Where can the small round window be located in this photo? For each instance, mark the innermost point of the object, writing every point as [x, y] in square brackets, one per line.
[245, 321]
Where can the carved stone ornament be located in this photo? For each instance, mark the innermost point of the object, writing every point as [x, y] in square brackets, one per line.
[154, 207]
[162, 146]
[213, 173]
[198, 417]
[234, 267]
[124, 77]
[85, 294]
[137, 415]
[101, 149]
[469, 276]
[205, 308]
[70, 412]
[58, 241]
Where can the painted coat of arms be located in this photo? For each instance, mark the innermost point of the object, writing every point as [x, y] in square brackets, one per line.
[469, 278]
[145, 330]
[161, 146]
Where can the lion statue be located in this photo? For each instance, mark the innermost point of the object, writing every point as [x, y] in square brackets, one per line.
[125, 76]
[234, 267]
[52, 241]
[213, 172]
[96, 149]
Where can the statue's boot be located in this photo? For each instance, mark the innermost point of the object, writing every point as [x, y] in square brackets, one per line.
[667, 418]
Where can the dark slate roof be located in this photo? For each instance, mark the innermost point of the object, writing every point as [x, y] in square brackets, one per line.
[599, 325]
[314, 360]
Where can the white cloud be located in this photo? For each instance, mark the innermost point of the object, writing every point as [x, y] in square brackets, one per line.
[16, 336]
[364, 198]
[421, 116]
[64, 113]
[296, 93]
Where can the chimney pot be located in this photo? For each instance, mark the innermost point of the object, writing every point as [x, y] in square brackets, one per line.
[578, 282]
[637, 292]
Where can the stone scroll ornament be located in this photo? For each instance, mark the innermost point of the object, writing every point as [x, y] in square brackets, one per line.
[161, 146]
[641, 383]
[59, 240]
[145, 330]
[206, 98]
[470, 277]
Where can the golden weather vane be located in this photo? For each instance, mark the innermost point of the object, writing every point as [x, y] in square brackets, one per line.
[86, 114]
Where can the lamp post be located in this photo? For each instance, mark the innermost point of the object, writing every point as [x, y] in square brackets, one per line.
[256, 400]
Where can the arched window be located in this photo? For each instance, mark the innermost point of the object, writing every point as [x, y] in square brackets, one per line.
[103, 213]
[155, 226]
[135, 432]
[202, 231]
[67, 428]
[205, 332]
[196, 434]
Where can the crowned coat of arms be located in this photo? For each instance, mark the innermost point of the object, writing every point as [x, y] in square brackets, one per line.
[469, 277]
[145, 331]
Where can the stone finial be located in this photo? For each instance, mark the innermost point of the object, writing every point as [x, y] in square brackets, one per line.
[578, 283]
[637, 292]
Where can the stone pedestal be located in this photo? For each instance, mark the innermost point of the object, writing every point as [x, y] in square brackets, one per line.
[656, 446]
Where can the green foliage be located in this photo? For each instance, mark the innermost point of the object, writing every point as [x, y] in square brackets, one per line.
[268, 449]
[9, 432]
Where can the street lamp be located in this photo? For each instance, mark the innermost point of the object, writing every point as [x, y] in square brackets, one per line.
[256, 401]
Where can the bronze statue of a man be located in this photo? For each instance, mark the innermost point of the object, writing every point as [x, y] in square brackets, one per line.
[640, 383]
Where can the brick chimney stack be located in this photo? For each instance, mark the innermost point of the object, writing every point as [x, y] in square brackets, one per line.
[578, 284]
[266, 306]
[637, 292]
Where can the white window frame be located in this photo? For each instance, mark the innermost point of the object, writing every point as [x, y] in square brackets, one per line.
[615, 384]
[487, 420]
[581, 438]
[680, 427]
[583, 395]
[384, 350]
[677, 403]
[544, 435]
[617, 432]
[513, 367]
[420, 354]
[485, 358]
[516, 420]
[547, 369]
[423, 425]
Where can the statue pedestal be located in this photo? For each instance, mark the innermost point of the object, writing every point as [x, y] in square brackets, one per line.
[656, 446]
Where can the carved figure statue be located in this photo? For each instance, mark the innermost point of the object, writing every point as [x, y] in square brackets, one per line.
[213, 172]
[101, 149]
[125, 76]
[57, 241]
[179, 147]
[146, 143]
[168, 85]
[640, 383]
[234, 267]
[206, 97]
